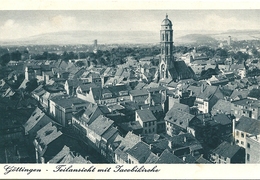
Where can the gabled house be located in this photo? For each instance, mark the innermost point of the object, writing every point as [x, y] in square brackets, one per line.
[37, 120]
[169, 158]
[147, 120]
[139, 96]
[185, 144]
[62, 107]
[66, 156]
[123, 144]
[221, 107]
[38, 92]
[239, 94]
[44, 137]
[71, 85]
[246, 134]
[177, 121]
[207, 98]
[226, 153]
[101, 134]
[83, 118]
[139, 153]
[105, 95]
[246, 107]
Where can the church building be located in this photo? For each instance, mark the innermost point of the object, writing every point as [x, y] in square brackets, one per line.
[169, 68]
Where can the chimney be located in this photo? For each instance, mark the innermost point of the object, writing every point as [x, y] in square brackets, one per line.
[183, 158]
[184, 139]
[170, 144]
[150, 146]
[233, 128]
[202, 88]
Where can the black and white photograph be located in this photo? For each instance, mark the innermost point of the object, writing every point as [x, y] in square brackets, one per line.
[134, 89]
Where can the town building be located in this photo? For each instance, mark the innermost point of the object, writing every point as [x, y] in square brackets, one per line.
[246, 107]
[246, 134]
[168, 67]
[147, 120]
[61, 108]
[226, 153]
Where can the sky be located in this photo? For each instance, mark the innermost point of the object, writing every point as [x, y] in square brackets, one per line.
[16, 24]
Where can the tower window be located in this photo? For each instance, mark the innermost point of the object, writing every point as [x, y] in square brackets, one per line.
[162, 37]
[166, 37]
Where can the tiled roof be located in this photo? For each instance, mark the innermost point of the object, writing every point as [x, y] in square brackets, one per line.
[208, 92]
[127, 142]
[138, 92]
[67, 101]
[109, 133]
[139, 86]
[179, 118]
[35, 118]
[56, 159]
[247, 102]
[74, 83]
[222, 106]
[248, 125]
[117, 89]
[48, 134]
[131, 126]
[202, 160]
[181, 107]
[146, 115]
[185, 140]
[141, 151]
[168, 158]
[101, 125]
[227, 150]
[243, 93]
[195, 89]
[86, 87]
[222, 119]
[153, 158]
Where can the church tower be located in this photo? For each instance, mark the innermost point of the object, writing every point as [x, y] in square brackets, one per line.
[166, 42]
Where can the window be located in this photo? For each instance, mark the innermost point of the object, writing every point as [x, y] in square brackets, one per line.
[237, 133]
[248, 145]
[248, 157]
[242, 142]
[145, 131]
[237, 141]
[242, 135]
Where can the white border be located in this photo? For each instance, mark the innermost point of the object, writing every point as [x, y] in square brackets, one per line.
[167, 171]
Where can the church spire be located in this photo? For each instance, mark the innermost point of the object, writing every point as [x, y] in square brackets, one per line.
[166, 16]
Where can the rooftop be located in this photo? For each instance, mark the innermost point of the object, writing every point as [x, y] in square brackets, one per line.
[227, 150]
[146, 115]
[141, 151]
[168, 158]
[67, 101]
[101, 125]
[248, 125]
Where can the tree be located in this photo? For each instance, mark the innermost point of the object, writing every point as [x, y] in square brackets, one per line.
[209, 135]
[4, 59]
[80, 63]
